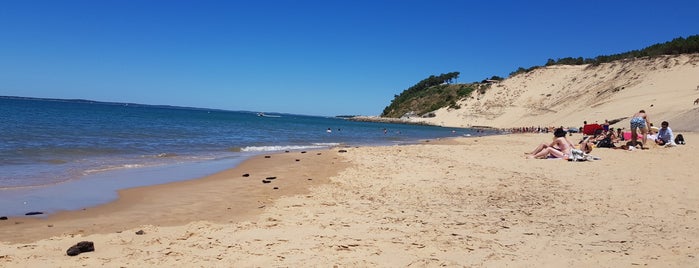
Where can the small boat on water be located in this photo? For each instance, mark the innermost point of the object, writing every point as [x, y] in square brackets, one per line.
[266, 115]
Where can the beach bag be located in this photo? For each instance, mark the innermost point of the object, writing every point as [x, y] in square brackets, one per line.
[577, 155]
[679, 139]
[605, 143]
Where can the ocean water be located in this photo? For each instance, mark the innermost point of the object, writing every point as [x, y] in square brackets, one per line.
[69, 154]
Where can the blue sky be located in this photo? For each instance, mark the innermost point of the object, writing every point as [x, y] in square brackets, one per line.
[304, 57]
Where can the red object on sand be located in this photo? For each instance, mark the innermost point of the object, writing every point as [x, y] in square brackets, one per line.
[627, 136]
[590, 129]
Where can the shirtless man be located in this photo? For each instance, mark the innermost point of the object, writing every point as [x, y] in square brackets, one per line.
[639, 121]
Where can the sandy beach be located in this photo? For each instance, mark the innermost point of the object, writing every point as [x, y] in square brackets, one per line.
[464, 202]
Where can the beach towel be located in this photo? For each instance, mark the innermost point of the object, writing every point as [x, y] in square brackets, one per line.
[578, 155]
[590, 129]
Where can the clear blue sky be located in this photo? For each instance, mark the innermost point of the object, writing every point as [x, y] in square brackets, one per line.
[304, 57]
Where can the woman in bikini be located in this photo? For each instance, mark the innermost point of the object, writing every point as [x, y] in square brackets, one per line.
[639, 121]
[561, 147]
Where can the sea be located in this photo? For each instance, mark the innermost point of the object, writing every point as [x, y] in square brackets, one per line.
[70, 154]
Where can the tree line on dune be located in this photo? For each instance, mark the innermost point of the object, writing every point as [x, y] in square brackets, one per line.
[677, 46]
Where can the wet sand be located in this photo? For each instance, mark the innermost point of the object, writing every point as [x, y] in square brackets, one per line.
[224, 197]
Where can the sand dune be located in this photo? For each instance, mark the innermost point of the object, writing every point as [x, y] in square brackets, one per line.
[665, 87]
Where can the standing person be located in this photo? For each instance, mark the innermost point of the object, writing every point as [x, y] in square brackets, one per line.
[605, 126]
[639, 121]
[664, 134]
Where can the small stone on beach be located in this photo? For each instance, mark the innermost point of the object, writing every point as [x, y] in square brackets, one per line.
[246, 175]
[265, 181]
[268, 156]
[33, 213]
[140, 232]
[342, 151]
[80, 247]
[3, 218]
[271, 178]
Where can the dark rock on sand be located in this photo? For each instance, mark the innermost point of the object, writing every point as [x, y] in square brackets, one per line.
[3, 218]
[80, 247]
[276, 188]
[303, 152]
[265, 181]
[342, 151]
[33, 213]
[140, 232]
[298, 160]
[271, 178]
[268, 156]
[246, 175]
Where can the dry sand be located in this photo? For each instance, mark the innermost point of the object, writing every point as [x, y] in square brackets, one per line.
[464, 202]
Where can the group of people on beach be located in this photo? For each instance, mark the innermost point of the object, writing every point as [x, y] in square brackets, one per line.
[606, 136]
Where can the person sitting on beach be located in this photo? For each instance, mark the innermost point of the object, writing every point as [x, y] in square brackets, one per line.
[613, 136]
[664, 137]
[606, 140]
[561, 147]
[639, 121]
[586, 145]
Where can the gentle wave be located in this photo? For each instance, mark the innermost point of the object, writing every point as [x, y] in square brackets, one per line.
[327, 144]
[111, 168]
[281, 148]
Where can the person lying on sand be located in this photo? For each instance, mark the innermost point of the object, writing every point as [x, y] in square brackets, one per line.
[586, 145]
[560, 147]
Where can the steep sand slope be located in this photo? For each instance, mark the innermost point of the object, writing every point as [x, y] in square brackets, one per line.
[665, 87]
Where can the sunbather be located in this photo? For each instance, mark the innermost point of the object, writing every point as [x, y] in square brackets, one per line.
[560, 147]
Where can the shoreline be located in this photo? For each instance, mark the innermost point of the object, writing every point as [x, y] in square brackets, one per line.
[454, 202]
[155, 205]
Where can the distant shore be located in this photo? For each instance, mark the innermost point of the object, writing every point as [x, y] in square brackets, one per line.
[409, 121]
[379, 119]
